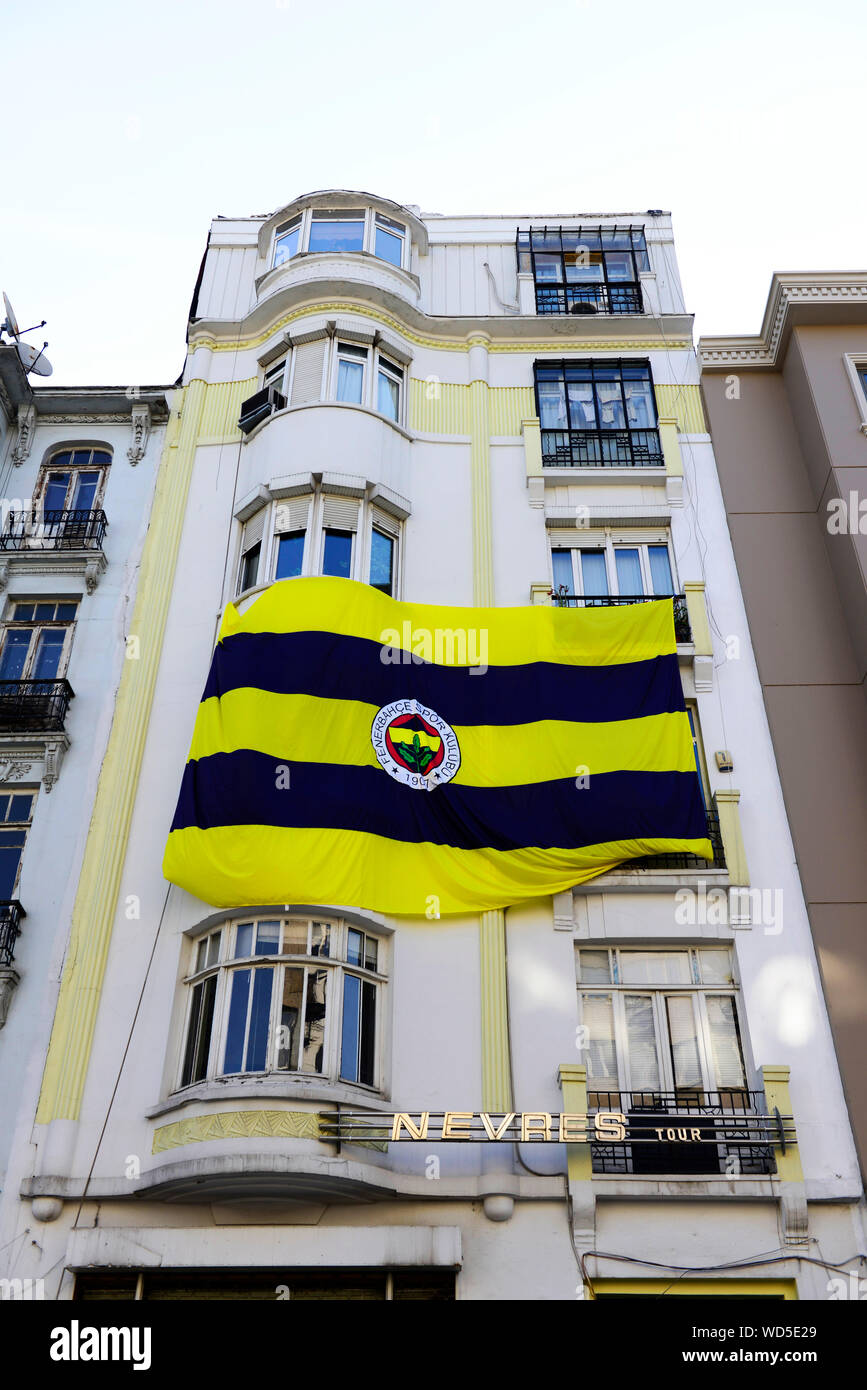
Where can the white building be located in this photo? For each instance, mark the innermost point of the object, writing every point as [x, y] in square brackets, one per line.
[463, 410]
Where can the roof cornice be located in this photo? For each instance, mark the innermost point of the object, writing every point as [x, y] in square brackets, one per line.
[802, 298]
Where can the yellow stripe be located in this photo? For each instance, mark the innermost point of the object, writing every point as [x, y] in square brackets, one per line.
[309, 729]
[461, 636]
[321, 866]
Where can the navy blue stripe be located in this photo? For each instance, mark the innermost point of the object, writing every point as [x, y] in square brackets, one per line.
[241, 789]
[351, 668]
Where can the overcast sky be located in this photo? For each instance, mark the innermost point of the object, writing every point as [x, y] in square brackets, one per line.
[129, 127]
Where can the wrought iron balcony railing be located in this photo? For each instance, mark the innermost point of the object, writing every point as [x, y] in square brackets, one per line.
[602, 449]
[34, 704]
[701, 1133]
[677, 862]
[682, 631]
[54, 530]
[11, 913]
[589, 299]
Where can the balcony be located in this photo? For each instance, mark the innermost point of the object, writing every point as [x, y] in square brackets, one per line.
[703, 1133]
[602, 449]
[54, 530]
[34, 705]
[11, 913]
[595, 298]
[561, 599]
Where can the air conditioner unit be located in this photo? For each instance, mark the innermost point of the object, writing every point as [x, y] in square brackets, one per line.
[257, 408]
[583, 306]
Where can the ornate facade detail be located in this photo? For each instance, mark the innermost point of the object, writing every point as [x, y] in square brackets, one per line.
[51, 769]
[9, 979]
[237, 1124]
[92, 571]
[26, 430]
[140, 428]
[13, 771]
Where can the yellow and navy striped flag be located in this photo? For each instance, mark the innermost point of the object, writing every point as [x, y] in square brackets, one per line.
[354, 750]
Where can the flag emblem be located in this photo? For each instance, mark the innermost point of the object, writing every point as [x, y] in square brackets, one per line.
[415, 744]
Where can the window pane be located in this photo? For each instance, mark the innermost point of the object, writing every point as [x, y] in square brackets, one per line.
[655, 967]
[350, 381]
[66, 612]
[640, 411]
[237, 1021]
[368, 1033]
[628, 571]
[716, 967]
[55, 492]
[250, 568]
[641, 1041]
[286, 245]
[290, 555]
[595, 967]
[561, 563]
[724, 1041]
[350, 1032]
[619, 265]
[381, 561]
[684, 1043]
[336, 236]
[388, 247]
[314, 1021]
[337, 558]
[582, 410]
[23, 613]
[320, 942]
[244, 940]
[84, 491]
[257, 1042]
[594, 575]
[14, 655]
[10, 857]
[370, 952]
[610, 405]
[388, 397]
[660, 569]
[295, 938]
[552, 405]
[45, 612]
[548, 268]
[4, 806]
[267, 938]
[49, 649]
[289, 1041]
[354, 946]
[199, 1036]
[598, 1018]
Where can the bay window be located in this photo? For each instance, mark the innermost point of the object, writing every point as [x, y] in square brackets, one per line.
[388, 388]
[342, 231]
[285, 995]
[597, 413]
[585, 270]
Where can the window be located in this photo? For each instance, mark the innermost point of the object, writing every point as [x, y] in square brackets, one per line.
[389, 381]
[597, 413]
[599, 574]
[72, 481]
[275, 376]
[16, 814]
[351, 363]
[337, 554]
[341, 231]
[584, 270]
[369, 1285]
[660, 1021]
[251, 550]
[337, 232]
[382, 549]
[36, 640]
[284, 995]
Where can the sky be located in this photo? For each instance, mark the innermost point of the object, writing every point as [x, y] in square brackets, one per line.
[129, 127]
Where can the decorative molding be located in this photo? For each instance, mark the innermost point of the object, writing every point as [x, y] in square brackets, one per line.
[496, 1065]
[87, 565]
[9, 981]
[12, 770]
[140, 428]
[32, 756]
[26, 431]
[237, 1124]
[788, 294]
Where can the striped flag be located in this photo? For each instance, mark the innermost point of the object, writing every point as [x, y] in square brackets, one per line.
[350, 749]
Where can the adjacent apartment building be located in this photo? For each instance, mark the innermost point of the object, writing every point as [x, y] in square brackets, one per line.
[469, 410]
[788, 414]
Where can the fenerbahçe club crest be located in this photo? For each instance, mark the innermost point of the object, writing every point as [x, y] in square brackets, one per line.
[415, 745]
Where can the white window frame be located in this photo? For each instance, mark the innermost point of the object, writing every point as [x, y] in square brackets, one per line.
[855, 363]
[359, 354]
[337, 966]
[36, 626]
[609, 546]
[17, 789]
[368, 243]
[367, 520]
[658, 993]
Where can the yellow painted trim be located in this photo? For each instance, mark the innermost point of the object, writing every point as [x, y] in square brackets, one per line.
[222, 408]
[99, 885]
[670, 447]
[237, 1124]
[684, 405]
[573, 1083]
[480, 469]
[443, 342]
[726, 803]
[674, 1286]
[776, 1084]
[696, 606]
[496, 1066]
[532, 432]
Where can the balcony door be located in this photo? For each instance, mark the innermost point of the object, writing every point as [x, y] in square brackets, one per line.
[36, 640]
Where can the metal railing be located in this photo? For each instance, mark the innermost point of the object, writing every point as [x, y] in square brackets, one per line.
[686, 860]
[11, 913]
[727, 1133]
[602, 449]
[34, 704]
[54, 530]
[595, 298]
[682, 630]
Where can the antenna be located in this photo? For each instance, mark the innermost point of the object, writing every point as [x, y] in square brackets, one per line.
[31, 360]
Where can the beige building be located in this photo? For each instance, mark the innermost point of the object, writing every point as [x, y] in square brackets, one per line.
[788, 416]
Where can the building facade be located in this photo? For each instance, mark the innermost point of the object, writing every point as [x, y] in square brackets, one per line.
[494, 411]
[788, 414]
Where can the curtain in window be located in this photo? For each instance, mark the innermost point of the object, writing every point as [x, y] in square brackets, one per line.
[561, 562]
[350, 379]
[641, 1041]
[724, 1041]
[628, 572]
[593, 572]
[598, 1017]
[684, 1043]
[660, 570]
[388, 397]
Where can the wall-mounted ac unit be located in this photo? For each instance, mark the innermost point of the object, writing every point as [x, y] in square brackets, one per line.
[257, 408]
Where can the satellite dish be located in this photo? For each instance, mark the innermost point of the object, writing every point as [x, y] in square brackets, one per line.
[11, 324]
[33, 361]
